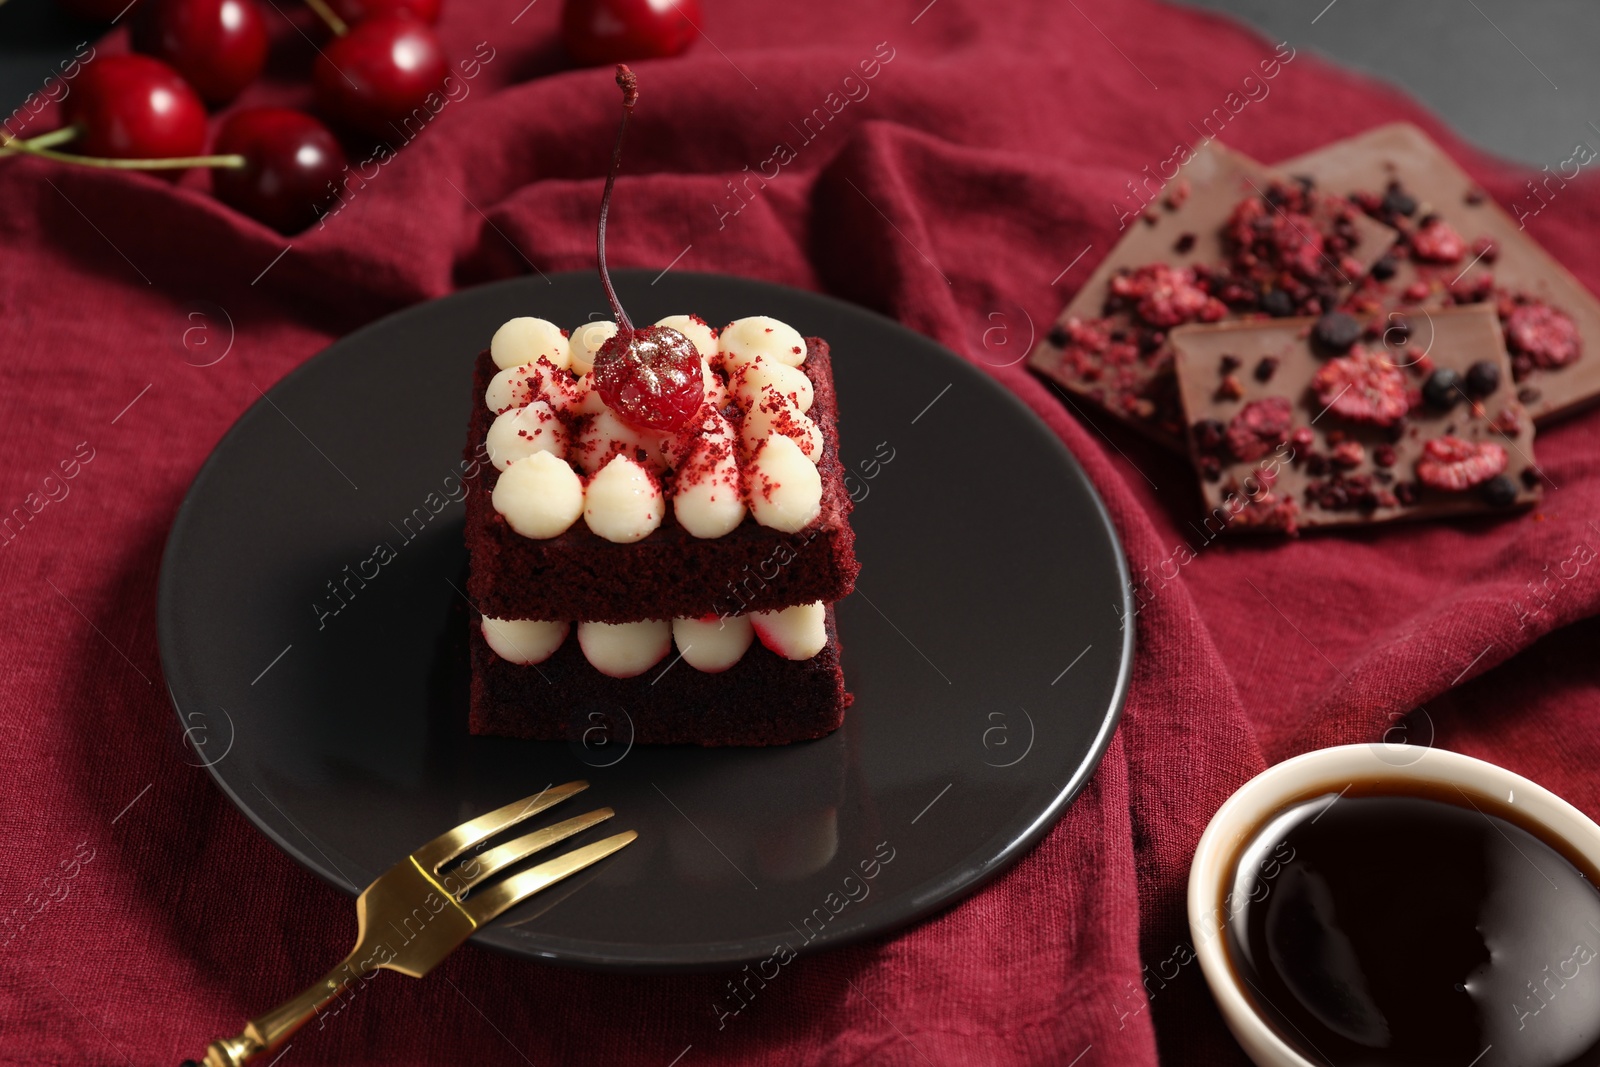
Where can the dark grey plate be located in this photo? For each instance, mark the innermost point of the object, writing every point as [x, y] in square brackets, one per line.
[983, 644]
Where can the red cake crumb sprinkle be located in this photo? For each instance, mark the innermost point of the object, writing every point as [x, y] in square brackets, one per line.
[1415, 293]
[1258, 428]
[1545, 336]
[1452, 464]
[1437, 242]
[1363, 386]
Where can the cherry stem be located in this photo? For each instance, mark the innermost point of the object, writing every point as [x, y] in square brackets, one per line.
[629, 83]
[34, 148]
[328, 15]
[54, 137]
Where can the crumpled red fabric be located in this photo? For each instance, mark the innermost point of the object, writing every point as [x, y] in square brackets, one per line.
[965, 189]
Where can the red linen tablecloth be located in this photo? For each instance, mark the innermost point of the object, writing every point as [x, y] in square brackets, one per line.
[949, 191]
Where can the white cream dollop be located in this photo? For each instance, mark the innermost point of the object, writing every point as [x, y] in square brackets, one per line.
[590, 402]
[784, 489]
[703, 336]
[586, 341]
[793, 633]
[707, 497]
[712, 645]
[518, 386]
[525, 339]
[623, 503]
[605, 435]
[540, 496]
[716, 390]
[520, 432]
[524, 641]
[744, 339]
[626, 649]
[775, 415]
[754, 378]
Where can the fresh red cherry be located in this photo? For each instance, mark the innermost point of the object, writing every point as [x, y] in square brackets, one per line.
[290, 159]
[379, 73]
[135, 107]
[650, 376]
[219, 46]
[611, 31]
[354, 11]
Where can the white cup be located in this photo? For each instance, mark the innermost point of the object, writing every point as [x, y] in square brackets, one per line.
[1330, 770]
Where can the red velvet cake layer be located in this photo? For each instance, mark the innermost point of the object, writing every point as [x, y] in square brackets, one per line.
[763, 699]
[668, 574]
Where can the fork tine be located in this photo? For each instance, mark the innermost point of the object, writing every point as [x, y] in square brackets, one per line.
[500, 857]
[486, 905]
[452, 843]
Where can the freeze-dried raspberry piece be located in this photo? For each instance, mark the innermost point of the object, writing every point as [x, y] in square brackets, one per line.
[1348, 454]
[1453, 464]
[1438, 242]
[1269, 511]
[1276, 234]
[1260, 426]
[1363, 386]
[1165, 298]
[1544, 334]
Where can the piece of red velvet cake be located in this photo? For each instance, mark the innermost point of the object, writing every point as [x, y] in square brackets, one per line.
[640, 489]
[603, 553]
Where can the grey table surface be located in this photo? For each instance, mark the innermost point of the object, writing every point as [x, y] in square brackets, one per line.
[1515, 76]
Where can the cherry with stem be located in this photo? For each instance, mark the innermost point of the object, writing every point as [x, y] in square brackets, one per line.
[651, 375]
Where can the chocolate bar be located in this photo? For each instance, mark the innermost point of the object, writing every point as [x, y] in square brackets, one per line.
[1336, 421]
[1227, 238]
[1458, 246]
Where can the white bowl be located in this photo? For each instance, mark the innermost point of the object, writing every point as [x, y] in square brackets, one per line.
[1330, 770]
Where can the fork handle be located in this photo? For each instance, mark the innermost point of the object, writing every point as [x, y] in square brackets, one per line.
[266, 1032]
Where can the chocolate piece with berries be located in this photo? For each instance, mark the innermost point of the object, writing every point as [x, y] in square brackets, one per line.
[1242, 241]
[1458, 247]
[1389, 430]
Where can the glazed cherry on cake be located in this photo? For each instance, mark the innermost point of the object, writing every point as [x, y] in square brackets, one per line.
[650, 376]
[651, 487]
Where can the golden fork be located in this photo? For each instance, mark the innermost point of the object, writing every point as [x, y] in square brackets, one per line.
[418, 911]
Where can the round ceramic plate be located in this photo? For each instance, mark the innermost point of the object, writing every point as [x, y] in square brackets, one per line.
[984, 645]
